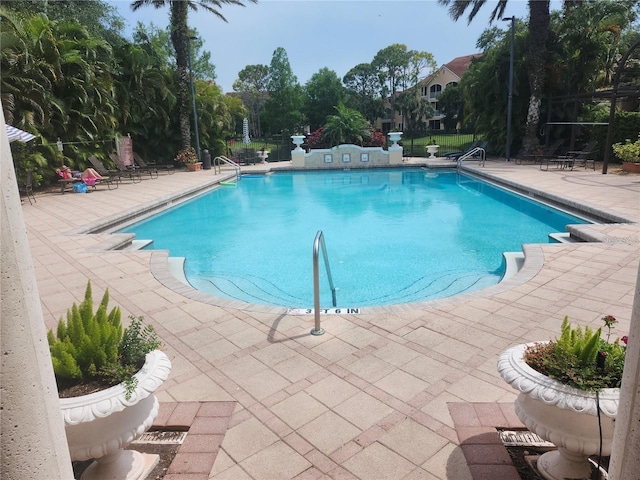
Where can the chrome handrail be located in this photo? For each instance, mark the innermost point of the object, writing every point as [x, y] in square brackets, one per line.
[223, 159]
[317, 243]
[472, 153]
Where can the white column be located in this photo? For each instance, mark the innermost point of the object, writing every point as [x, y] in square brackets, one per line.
[32, 437]
[625, 457]
[395, 150]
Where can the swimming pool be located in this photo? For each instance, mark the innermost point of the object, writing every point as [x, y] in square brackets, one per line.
[392, 236]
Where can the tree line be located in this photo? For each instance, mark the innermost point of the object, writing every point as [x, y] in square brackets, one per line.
[67, 73]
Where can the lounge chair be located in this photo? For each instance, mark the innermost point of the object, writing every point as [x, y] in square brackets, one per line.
[569, 159]
[152, 171]
[110, 177]
[586, 155]
[170, 169]
[542, 155]
[131, 173]
[473, 145]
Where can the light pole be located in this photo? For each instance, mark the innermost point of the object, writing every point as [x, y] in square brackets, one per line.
[193, 98]
[510, 102]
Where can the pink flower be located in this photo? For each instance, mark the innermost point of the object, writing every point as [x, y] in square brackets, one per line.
[624, 339]
[609, 321]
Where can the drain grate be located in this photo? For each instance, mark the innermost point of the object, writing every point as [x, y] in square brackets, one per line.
[522, 438]
[162, 438]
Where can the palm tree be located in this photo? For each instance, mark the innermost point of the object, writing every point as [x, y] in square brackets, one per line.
[180, 39]
[536, 59]
[347, 126]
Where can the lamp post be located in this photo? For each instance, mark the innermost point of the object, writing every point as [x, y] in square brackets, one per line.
[510, 102]
[193, 98]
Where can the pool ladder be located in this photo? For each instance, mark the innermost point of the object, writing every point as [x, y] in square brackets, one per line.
[217, 167]
[472, 153]
[317, 244]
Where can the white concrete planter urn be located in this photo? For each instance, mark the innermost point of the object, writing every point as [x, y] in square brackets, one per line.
[262, 155]
[561, 414]
[298, 140]
[100, 425]
[395, 138]
[432, 150]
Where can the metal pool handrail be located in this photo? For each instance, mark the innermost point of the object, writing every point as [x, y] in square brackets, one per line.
[472, 153]
[223, 159]
[317, 243]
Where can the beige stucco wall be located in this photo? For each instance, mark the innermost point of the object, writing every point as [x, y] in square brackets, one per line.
[351, 155]
[443, 76]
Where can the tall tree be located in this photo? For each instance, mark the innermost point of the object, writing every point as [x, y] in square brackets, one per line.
[539, 18]
[400, 69]
[283, 109]
[180, 38]
[391, 66]
[252, 84]
[483, 89]
[451, 105]
[323, 93]
[363, 91]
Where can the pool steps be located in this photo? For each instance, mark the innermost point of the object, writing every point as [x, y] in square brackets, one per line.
[564, 237]
[138, 244]
[514, 262]
[176, 268]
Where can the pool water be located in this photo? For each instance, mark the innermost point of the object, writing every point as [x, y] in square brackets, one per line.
[392, 236]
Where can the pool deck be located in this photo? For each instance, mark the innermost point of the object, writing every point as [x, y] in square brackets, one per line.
[401, 392]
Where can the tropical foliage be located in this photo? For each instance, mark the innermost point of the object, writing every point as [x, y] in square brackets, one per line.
[346, 126]
[82, 83]
[181, 39]
[66, 73]
[571, 52]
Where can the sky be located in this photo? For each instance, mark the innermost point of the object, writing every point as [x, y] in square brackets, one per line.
[336, 34]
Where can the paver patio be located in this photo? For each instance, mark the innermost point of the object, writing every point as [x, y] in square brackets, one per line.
[372, 397]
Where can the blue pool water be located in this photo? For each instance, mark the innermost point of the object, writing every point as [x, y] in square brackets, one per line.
[392, 236]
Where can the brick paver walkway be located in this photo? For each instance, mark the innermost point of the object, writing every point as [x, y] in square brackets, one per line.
[371, 397]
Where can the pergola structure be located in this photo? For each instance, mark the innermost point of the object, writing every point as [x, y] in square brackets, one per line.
[625, 89]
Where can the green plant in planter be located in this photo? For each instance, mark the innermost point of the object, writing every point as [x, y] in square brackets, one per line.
[581, 358]
[627, 151]
[187, 155]
[92, 346]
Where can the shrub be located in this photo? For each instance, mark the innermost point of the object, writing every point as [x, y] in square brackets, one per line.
[93, 347]
[376, 138]
[627, 151]
[317, 140]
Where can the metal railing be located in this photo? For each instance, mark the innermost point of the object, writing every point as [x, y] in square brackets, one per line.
[222, 159]
[473, 153]
[317, 243]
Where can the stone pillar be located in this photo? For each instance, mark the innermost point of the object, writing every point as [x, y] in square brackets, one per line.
[395, 150]
[297, 154]
[395, 155]
[625, 459]
[32, 436]
[297, 158]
